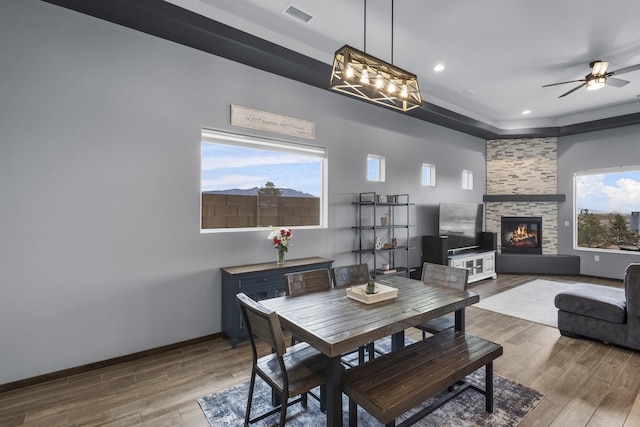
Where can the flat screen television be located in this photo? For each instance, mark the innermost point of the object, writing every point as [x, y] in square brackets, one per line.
[461, 223]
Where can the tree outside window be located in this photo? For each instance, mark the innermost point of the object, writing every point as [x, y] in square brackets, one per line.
[608, 206]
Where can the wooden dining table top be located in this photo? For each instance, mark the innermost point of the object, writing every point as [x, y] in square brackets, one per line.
[334, 323]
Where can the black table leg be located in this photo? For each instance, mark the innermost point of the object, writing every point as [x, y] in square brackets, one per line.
[460, 320]
[334, 392]
[397, 340]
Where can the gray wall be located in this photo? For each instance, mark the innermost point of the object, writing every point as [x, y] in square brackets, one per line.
[595, 150]
[100, 252]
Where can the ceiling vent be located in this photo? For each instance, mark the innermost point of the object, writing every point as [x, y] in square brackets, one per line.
[298, 14]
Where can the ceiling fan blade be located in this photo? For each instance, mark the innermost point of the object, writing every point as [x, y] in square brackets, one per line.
[573, 90]
[562, 83]
[625, 69]
[612, 81]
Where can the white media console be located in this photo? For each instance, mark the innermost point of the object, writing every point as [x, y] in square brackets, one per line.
[480, 260]
[481, 264]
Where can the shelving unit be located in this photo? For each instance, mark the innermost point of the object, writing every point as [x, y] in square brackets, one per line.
[372, 207]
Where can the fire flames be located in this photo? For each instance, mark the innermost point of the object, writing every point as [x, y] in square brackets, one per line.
[521, 235]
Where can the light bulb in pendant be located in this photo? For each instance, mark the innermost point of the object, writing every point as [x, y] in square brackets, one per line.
[391, 88]
[364, 78]
[349, 72]
[404, 93]
[379, 81]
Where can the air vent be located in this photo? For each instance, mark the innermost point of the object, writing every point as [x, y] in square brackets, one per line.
[298, 14]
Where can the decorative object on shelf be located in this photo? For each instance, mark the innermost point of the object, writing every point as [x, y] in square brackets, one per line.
[384, 220]
[381, 198]
[378, 243]
[394, 243]
[385, 266]
[280, 239]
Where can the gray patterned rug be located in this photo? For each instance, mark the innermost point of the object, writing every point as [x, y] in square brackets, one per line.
[512, 402]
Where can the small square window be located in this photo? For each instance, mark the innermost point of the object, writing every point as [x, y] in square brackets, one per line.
[467, 180]
[375, 168]
[428, 175]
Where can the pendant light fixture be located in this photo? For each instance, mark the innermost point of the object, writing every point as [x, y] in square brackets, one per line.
[359, 74]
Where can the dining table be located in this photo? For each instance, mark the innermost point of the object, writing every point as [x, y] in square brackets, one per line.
[334, 323]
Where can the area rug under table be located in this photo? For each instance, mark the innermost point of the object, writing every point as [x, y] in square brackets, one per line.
[533, 301]
[512, 402]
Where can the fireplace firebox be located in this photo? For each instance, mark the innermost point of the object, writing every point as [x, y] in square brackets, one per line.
[521, 235]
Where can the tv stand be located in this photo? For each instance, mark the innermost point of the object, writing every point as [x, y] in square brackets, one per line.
[481, 264]
[479, 260]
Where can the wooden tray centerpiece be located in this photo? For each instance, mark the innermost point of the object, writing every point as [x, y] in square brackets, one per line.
[380, 293]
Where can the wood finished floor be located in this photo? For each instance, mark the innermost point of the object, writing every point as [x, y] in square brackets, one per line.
[585, 383]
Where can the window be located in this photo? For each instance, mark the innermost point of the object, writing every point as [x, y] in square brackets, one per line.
[607, 208]
[467, 180]
[249, 182]
[428, 175]
[375, 168]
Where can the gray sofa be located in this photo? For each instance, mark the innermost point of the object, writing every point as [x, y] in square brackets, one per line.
[602, 312]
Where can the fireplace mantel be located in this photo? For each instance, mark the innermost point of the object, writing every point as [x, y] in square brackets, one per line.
[524, 198]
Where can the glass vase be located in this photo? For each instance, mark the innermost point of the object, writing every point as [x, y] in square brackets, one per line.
[280, 256]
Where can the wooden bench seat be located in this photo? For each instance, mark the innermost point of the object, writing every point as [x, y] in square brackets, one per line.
[392, 384]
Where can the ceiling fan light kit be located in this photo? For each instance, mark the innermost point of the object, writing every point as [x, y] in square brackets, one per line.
[596, 83]
[598, 77]
[359, 74]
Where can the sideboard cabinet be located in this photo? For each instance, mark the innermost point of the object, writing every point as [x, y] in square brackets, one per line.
[257, 281]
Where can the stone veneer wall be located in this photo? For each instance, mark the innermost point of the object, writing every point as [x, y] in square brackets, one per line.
[523, 166]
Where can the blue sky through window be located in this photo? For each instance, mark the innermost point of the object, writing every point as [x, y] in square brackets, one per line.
[227, 167]
[617, 192]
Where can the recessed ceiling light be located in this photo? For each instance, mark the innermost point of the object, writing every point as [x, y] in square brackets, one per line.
[526, 112]
[438, 67]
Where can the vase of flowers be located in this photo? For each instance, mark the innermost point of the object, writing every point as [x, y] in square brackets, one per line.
[280, 239]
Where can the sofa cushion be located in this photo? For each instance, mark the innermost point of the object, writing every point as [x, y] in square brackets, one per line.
[597, 301]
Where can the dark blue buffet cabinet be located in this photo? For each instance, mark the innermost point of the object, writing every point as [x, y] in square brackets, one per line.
[258, 281]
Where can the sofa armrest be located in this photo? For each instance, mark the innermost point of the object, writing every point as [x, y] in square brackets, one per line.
[632, 293]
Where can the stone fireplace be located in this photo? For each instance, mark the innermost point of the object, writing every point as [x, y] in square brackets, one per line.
[522, 182]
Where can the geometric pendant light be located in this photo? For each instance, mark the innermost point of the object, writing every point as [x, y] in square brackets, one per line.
[359, 74]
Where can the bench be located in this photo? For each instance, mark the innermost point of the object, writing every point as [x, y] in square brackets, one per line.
[392, 384]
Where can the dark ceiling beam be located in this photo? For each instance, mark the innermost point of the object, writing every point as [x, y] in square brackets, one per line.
[170, 22]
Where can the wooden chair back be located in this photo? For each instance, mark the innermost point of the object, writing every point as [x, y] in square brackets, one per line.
[306, 282]
[444, 275]
[263, 323]
[350, 275]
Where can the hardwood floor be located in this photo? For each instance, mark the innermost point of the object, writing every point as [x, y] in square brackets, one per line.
[585, 383]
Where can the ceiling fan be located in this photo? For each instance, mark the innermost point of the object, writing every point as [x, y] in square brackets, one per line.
[599, 77]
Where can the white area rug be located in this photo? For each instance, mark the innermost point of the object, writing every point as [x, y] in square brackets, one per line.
[532, 301]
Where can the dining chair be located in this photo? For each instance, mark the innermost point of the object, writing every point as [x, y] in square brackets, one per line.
[442, 275]
[306, 282]
[290, 372]
[352, 275]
